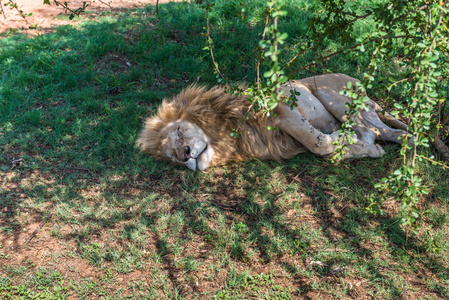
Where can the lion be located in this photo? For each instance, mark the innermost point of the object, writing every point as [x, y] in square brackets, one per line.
[193, 128]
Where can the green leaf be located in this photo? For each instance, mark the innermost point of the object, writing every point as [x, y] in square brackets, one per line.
[394, 113]
[398, 106]
[279, 13]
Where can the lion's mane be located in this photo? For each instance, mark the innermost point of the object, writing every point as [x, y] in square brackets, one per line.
[217, 113]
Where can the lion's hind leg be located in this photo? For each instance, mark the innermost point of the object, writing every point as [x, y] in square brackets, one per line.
[369, 126]
[387, 118]
[372, 120]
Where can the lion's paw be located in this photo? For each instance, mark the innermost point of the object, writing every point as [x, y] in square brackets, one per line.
[376, 151]
[361, 149]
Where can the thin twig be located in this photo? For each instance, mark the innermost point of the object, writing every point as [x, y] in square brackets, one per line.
[423, 7]
[76, 12]
[16, 162]
[408, 125]
[341, 209]
[437, 133]
[440, 21]
[157, 9]
[107, 4]
[3, 11]
[227, 207]
[16, 7]
[293, 59]
[398, 82]
[441, 113]
[38, 229]
[435, 162]
[209, 41]
[259, 57]
[358, 17]
[297, 175]
[443, 108]
[445, 120]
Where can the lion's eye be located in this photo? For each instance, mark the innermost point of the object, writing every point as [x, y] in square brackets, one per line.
[180, 137]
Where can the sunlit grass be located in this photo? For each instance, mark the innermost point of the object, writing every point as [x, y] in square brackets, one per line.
[126, 225]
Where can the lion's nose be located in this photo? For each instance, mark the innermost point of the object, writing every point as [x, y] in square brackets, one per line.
[187, 153]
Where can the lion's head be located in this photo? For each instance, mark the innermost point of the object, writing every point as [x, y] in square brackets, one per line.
[185, 143]
[173, 134]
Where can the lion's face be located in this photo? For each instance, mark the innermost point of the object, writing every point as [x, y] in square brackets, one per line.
[185, 143]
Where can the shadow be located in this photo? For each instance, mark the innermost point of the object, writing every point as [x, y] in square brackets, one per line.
[84, 94]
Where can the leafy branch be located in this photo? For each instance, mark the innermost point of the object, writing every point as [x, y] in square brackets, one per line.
[73, 12]
[264, 95]
[356, 93]
[13, 5]
[423, 68]
[210, 42]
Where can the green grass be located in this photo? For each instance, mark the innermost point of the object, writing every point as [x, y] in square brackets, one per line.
[124, 225]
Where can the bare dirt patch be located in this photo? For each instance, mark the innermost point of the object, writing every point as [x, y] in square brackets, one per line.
[44, 16]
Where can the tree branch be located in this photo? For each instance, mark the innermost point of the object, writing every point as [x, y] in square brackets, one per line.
[292, 60]
[435, 162]
[65, 6]
[359, 17]
[444, 150]
[436, 35]
[38, 229]
[259, 57]
[16, 7]
[445, 119]
[210, 42]
[109, 3]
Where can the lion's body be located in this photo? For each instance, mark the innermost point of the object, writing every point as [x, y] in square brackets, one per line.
[199, 121]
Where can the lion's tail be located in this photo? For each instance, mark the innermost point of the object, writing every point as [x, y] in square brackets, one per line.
[389, 119]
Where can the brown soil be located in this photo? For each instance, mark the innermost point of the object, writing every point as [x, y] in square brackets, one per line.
[37, 241]
[44, 16]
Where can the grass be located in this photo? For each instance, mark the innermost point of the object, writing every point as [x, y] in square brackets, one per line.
[119, 224]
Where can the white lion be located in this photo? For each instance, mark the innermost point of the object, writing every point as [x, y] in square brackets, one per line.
[193, 129]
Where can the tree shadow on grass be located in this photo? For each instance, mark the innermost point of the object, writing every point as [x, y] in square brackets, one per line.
[130, 198]
[263, 194]
[76, 137]
[261, 209]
